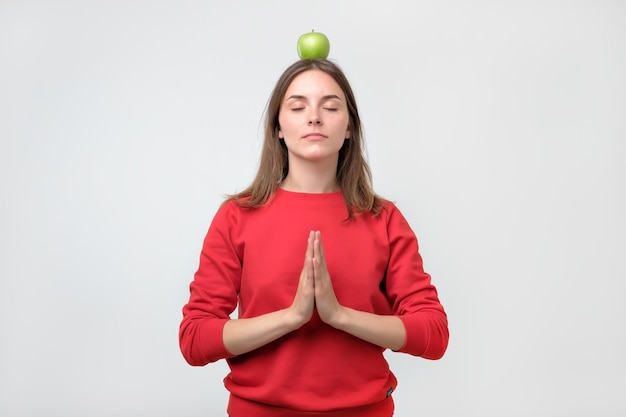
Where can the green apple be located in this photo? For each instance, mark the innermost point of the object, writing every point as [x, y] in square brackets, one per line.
[313, 45]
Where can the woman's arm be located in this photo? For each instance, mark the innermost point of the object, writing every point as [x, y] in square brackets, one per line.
[426, 320]
[384, 331]
[244, 335]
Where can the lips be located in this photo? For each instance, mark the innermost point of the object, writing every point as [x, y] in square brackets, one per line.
[315, 136]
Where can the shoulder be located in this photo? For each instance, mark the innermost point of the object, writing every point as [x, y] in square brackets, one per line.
[236, 200]
[394, 217]
[237, 209]
[229, 211]
[389, 208]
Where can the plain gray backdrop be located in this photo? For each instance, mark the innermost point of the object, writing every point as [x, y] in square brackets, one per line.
[497, 127]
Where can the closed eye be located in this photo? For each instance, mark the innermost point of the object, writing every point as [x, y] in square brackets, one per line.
[330, 108]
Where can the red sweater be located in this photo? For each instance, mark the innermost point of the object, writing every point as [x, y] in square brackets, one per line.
[251, 260]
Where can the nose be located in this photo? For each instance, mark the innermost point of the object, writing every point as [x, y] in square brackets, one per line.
[314, 119]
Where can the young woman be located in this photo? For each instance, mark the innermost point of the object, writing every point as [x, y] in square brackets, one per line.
[325, 274]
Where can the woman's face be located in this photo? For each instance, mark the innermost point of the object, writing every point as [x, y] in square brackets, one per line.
[313, 117]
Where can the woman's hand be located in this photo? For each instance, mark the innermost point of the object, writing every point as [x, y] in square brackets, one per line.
[304, 302]
[328, 307]
[315, 288]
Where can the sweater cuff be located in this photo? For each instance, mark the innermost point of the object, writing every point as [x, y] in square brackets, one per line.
[211, 340]
[417, 335]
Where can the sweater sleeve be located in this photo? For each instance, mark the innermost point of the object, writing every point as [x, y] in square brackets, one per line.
[413, 297]
[213, 292]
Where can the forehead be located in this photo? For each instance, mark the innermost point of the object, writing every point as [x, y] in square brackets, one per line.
[314, 83]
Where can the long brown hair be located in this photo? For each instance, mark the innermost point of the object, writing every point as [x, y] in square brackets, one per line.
[353, 173]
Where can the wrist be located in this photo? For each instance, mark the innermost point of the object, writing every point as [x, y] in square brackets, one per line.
[292, 319]
[340, 318]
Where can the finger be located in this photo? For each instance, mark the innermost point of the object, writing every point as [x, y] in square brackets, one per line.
[316, 256]
[319, 266]
[309, 267]
[320, 259]
[309, 253]
[319, 248]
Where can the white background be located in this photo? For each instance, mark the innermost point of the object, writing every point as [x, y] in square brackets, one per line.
[497, 127]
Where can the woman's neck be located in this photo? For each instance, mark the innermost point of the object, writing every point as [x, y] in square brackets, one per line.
[309, 177]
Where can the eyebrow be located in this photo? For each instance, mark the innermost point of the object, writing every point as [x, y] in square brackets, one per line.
[301, 97]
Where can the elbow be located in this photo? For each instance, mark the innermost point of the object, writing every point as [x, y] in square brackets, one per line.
[201, 343]
[191, 357]
[436, 351]
[194, 360]
[427, 335]
[190, 346]
[438, 341]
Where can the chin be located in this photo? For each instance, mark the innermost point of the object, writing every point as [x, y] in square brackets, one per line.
[317, 157]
